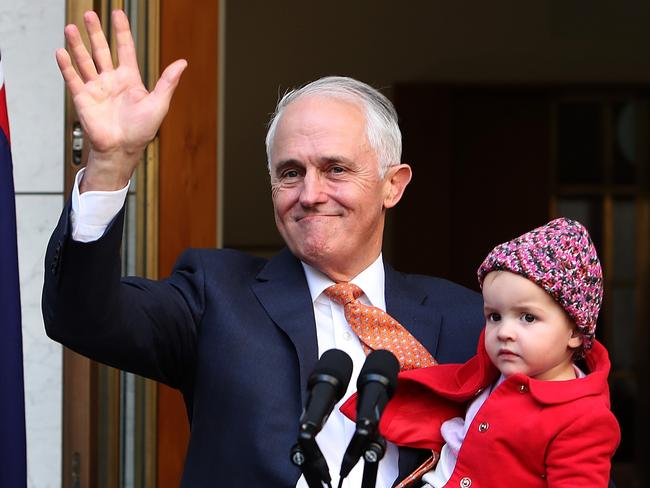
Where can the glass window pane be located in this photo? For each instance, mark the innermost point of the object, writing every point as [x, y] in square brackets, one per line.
[579, 142]
[129, 238]
[624, 268]
[587, 210]
[624, 132]
[127, 427]
[622, 304]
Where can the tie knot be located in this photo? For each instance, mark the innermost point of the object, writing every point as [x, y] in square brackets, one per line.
[343, 293]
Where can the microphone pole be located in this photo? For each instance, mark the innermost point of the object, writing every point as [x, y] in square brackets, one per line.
[327, 385]
[376, 384]
[372, 455]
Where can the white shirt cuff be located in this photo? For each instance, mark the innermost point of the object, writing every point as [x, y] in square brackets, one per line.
[92, 211]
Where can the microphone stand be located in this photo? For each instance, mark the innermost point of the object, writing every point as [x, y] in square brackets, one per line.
[374, 452]
[370, 444]
[307, 456]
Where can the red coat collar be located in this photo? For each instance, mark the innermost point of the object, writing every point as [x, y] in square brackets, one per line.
[427, 397]
[557, 392]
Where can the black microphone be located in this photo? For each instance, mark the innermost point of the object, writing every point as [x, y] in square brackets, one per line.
[376, 385]
[327, 385]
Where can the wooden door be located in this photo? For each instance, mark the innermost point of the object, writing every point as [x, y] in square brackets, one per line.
[188, 180]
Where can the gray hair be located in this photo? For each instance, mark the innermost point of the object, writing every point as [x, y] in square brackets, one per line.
[382, 129]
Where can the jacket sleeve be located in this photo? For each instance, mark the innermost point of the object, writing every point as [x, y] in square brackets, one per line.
[413, 417]
[580, 455]
[143, 326]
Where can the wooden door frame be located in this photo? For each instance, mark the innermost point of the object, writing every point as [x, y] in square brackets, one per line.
[188, 180]
[180, 210]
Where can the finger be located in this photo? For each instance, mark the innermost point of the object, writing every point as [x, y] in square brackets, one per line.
[82, 59]
[72, 79]
[168, 81]
[99, 45]
[124, 40]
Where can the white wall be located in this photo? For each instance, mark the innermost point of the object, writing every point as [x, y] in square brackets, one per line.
[30, 31]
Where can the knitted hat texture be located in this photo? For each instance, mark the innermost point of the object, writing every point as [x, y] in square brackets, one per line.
[560, 258]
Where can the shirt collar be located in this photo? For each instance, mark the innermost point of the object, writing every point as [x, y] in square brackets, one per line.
[370, 280]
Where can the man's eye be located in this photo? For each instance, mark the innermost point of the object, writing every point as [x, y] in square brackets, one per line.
[528, 318]
[337, 169]
[494, 317]
[291, 173]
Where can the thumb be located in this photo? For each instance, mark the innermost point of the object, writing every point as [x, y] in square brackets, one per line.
[168, 81]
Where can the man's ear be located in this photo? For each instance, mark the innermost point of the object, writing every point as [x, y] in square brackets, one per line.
[396, 179]
[575, 341]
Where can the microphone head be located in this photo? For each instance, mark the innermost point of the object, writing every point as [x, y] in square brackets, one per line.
[335, 368]
[382, 366]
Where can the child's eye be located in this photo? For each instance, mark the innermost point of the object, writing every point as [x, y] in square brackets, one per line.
[528, 318]
[494, 317]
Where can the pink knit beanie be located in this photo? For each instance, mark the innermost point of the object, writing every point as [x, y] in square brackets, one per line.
[560, 258]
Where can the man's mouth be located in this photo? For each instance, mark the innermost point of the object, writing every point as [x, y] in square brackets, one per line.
[310, 217]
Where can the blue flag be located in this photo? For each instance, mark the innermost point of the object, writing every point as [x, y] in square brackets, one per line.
[13, 465]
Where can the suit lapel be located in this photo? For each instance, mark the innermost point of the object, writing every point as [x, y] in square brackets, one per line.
[283, 292]
[407, 304]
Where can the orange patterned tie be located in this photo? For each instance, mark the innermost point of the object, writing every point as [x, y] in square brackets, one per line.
[378, 330]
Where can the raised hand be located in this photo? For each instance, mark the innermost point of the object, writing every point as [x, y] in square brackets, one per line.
[118, 114]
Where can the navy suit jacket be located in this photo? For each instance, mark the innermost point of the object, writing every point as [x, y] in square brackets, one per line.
[236, 335]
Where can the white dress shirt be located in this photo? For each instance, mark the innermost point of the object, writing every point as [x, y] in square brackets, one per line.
[93, 211]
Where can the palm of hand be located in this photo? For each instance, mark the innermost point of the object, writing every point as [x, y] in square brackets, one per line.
[116, 111]
[120, 117]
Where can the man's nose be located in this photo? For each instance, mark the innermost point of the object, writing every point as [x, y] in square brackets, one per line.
[314, 190]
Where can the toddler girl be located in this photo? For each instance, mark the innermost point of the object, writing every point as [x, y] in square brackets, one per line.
[530, 416]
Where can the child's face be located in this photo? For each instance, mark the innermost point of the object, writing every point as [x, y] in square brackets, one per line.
[526, 330]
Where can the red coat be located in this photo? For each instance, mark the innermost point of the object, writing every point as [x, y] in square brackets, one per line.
[528, 432]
